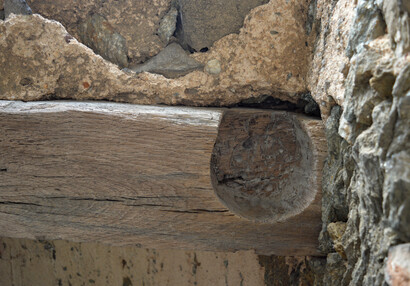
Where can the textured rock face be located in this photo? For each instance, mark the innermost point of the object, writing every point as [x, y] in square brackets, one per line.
[254, 63]
[205, 21]
[329, 66]
[366, 177]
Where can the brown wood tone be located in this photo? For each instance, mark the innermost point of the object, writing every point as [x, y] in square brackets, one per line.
[161, 177]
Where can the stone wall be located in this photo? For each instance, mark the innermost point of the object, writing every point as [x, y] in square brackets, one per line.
[349, 57]
[366, 188]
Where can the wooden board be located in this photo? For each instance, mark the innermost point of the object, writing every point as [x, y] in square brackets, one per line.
[161, 177]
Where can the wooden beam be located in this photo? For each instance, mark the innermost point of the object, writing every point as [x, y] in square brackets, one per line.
[161, 177]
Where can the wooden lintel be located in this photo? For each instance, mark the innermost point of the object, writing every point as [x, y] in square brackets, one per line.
[161, 177]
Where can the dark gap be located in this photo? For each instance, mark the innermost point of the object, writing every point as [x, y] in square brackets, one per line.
[19, 203]
[26, 81]
[196, 211]
[95, 199]
[305, 104]
[188, 48]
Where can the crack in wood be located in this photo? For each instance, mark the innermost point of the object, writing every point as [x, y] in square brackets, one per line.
[196, 211]
[19, 203]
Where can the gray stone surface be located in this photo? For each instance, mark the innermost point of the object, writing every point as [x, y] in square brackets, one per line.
[97, 33]
[335, 269]
[336, 178]
[171, 62]
[202, 22]
[18, 7]
[168, 25]
[368, 166]
[368, 25]
[135, 21]
[396, 15]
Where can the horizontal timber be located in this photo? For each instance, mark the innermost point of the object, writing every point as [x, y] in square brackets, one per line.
[161, 177]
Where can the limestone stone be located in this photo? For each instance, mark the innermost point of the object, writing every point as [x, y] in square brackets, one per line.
[336, 231]
[61, 67]
[276, 64]
[366, 65]
[203, 22]
[171, 62]
[330, 65]
[396, 14]
[368, 25]
[213, 66]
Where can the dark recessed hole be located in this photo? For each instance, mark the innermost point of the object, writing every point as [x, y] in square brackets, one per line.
[305, 104]
[26, 81]
[204, 50]
[190, 49]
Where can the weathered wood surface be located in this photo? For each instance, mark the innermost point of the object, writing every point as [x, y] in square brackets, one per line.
[161, 177]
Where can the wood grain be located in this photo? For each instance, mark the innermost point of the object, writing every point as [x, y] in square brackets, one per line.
[161, 177]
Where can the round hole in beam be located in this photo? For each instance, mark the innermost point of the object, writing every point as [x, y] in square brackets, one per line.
[262, 166]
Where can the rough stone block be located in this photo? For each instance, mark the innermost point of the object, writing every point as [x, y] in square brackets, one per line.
[171, 62]
[136, 21]
[56, 65]
[205, 21]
